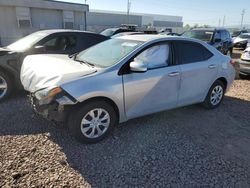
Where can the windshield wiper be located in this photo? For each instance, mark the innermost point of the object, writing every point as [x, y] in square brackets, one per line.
[85, 62]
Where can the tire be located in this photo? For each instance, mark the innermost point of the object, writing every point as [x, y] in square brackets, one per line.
[82, 132]
[229, 53]
[6, 86]
[212, 104]
[242, 76]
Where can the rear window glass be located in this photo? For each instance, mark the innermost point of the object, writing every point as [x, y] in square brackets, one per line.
[190, 52]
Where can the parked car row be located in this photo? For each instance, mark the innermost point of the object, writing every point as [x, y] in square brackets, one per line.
[88, 79]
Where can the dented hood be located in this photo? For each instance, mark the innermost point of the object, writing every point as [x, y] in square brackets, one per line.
[43, 71]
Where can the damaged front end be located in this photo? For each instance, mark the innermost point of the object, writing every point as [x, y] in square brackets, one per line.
[52, 104]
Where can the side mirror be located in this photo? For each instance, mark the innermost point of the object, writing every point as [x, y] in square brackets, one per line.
[138, 67]
[217, 40]
[39, 49]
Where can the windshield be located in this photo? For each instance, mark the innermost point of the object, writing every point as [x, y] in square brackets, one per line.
[108, 53]
[199, 34]
[108, 32]
[244, 36]
[27, 42]
[236, 33]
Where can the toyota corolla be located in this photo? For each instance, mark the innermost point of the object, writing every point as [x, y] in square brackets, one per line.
[124, 78]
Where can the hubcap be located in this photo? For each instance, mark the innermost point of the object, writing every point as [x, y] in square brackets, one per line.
[95, 123]
[3, 87]
[216, 95]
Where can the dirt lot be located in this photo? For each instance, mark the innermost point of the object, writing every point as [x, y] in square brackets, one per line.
[187, 147]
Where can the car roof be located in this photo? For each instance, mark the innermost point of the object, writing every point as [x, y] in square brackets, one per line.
[210, 29]
[52, 31]
[152, 37]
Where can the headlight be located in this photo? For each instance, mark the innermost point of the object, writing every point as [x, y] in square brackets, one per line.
[245, 56]
[45, 96]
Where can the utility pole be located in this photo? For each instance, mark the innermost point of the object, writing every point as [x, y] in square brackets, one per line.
[224, 21]
[219, 22]
[128, 10]
[85, 1]
[242, 17]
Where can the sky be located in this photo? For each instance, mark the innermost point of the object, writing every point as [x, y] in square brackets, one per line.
[193, 11]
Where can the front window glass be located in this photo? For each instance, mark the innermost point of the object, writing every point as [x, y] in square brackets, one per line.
[60, 43]
[108, 53]
[155, 57]
[199, 34]
[27, 42]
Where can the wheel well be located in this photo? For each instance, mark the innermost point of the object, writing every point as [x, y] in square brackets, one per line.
[108, 100]
[223, 80]
[9, 73]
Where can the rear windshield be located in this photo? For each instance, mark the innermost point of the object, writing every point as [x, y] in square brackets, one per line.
[199, 34]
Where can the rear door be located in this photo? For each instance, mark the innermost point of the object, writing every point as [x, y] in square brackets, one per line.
[198, 71]
[157, 88]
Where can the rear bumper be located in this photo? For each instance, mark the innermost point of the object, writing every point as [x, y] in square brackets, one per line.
[53, 111]
[244, 67]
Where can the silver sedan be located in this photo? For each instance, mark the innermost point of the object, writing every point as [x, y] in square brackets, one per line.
[125, 78]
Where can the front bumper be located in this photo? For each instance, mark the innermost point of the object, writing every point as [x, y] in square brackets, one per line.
[53, 111]
[240, 45]
[244, 67]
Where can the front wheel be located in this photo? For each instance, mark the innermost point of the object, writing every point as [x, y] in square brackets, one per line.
[215, 95]
[92, 122]
[5, 86]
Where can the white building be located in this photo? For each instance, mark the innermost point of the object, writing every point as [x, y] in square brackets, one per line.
[22, 17]
[98, 20]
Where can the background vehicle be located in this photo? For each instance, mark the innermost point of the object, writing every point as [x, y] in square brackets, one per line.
[242, 41]
[41, 42]
[114, 31]
[219, 38]
[127, 33]
[125, 78]
[238, 33]
[169, 33]
[244, 63]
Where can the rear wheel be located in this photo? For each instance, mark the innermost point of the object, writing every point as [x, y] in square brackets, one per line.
[5, 86]
[215, 95]
[92, 122]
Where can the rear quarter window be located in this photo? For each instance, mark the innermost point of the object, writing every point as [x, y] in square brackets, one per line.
[191, 52]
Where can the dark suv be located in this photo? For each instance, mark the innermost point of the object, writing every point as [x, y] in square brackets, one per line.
[219, 38]
[41, 42]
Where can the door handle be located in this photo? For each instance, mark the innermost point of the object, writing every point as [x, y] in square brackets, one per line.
[172, 74]
[212, 66]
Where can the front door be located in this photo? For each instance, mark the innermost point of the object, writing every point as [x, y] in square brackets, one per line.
[157, 88]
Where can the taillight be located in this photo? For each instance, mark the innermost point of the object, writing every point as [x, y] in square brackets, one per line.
[232, 62]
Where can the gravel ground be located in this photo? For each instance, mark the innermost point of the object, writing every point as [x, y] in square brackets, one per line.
[187, 147]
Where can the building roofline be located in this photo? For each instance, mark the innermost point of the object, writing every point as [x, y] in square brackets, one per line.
[46, 4]
[132, 13]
